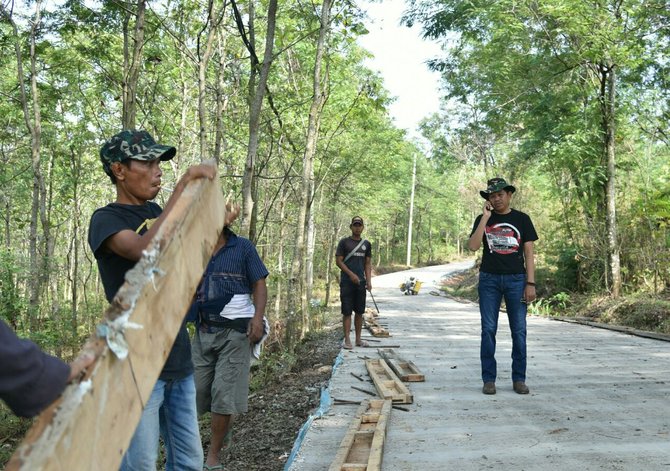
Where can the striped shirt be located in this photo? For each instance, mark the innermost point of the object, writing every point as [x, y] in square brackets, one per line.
[234, 269]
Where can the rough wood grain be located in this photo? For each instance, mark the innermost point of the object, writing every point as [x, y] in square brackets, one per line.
[362, 447]
[387, 383]
[92, 423]
[405, 369]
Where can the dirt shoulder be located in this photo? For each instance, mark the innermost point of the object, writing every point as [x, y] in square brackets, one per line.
[264, 436]
[641, 311]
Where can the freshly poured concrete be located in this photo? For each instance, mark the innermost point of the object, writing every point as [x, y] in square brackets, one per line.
[599, 400]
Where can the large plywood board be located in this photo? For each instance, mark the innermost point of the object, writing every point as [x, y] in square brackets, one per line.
[92, 423]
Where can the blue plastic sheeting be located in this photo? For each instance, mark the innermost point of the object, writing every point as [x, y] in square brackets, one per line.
[324, 405]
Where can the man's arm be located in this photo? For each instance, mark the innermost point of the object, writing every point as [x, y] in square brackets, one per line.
[528, 253]
[339, 261]
[129, 244]
[260, 294]
[475, 240]
[30, 379]
[368, 273]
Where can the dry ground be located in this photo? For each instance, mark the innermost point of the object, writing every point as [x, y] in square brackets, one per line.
[263, 438]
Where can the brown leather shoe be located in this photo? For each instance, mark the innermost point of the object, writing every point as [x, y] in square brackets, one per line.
[489, 388]
[520, 387]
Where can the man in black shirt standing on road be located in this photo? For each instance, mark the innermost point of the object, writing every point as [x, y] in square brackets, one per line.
[353, 256]
[507, 271]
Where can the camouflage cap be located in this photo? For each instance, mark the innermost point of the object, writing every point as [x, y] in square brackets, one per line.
[133, 144]
[496, 184]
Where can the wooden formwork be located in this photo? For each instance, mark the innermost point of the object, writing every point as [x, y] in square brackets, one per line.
[373, 326]
[362, 447]
[387, 383]
[404, 369]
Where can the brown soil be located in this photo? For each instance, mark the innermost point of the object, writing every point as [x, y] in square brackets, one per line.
[264, 436]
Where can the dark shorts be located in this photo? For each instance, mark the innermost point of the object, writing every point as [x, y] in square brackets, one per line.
[352, 297]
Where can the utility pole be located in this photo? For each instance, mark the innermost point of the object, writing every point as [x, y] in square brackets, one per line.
[411, 215]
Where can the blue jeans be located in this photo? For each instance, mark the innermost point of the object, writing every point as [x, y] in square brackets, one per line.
[492, 289]
[171, 413]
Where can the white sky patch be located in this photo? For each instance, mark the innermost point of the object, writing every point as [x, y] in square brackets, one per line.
[400, 55]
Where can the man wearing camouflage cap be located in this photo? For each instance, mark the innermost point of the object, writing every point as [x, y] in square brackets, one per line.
[507, 271]
[118, 234]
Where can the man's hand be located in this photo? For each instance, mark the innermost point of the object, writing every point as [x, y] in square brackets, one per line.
[486, 211]
[355, 279]
[199, 171]
[255, 330]
[368, 285]
[79, 364]
[232, 211]
[529, 293]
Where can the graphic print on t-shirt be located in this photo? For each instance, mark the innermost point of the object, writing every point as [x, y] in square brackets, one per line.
[147, 223]
[503, 238]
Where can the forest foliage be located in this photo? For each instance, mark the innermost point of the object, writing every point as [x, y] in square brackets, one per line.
[566, 99]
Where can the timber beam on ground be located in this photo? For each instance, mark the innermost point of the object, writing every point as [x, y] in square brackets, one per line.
[374, 327]
[405, 370]
[387, 383]
[91, 424]
[362, 447]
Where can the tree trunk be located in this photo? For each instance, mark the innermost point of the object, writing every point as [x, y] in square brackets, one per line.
[34, 127]
[280, 256]
[309, 256]
[331, 252]
[221, 97]
[203, 63]
[132, 65]
[256, 96]
[318, 100]
[609, 126]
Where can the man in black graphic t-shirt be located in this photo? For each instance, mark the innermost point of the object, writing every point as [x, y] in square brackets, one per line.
[353, 256]
[118, 234]
[507, 271]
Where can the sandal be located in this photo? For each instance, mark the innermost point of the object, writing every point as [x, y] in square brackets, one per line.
[362, 343]
[346, 346]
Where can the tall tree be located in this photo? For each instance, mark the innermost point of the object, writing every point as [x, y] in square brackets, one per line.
[546, 76]
[132, 62]
[256, 94]
[38, 265]
[307, 187]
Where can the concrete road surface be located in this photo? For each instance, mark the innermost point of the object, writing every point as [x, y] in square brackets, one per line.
[599, 400]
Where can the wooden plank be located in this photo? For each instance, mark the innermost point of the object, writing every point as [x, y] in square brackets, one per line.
[377, 447]
[92, 423]
[373, 326]
[363, 444]
[405, 370]
[387, 383]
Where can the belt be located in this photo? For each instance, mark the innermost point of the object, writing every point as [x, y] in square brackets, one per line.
[239, 325]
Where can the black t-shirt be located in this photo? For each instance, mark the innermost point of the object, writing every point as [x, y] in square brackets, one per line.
[356, 262]
[503, 242]
[115, 218]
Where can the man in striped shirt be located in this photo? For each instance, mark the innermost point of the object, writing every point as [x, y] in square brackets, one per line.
[228, 310]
